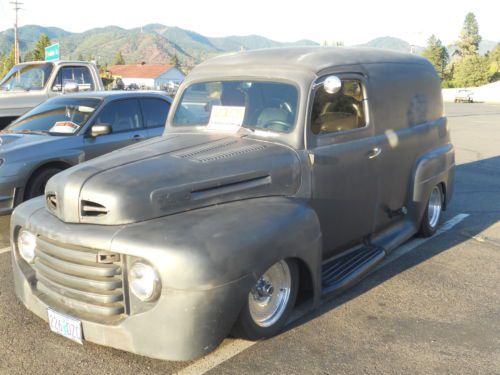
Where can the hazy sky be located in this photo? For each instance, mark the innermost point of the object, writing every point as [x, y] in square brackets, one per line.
[349, 21]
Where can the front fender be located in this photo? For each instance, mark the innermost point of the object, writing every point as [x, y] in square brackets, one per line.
[210, 247]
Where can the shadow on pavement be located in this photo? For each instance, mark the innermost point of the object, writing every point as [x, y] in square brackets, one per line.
[484, 212]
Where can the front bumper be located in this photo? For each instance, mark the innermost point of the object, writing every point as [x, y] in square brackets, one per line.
[10, 193]
[183, 325]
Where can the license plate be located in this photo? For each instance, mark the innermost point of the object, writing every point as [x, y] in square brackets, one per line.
[66, 326]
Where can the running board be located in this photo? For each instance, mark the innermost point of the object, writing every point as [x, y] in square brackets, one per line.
[340, 273]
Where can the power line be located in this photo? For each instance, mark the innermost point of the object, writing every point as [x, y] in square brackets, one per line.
[16, 8]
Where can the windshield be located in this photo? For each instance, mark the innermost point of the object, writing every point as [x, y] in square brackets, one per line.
[57, 116]
[27, 77]
[251, 104]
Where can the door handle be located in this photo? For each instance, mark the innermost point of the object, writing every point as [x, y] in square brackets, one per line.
[137, 137]
[374, 152]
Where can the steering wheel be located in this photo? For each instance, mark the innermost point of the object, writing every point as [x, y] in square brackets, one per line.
[281, 104]
[282, 125]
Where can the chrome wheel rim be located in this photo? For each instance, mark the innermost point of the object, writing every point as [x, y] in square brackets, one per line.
[269, 297]
[434, 207]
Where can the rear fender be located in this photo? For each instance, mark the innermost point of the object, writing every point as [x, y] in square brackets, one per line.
[435, 167]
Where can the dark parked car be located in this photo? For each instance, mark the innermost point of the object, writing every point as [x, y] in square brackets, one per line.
[67, 130]
[284, 176]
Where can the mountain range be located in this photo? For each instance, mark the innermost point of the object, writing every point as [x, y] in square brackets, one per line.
[156, 43]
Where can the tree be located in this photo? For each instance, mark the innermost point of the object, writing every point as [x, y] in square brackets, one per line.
[7, 63]
[38, 53]
[437, 54]
[469, 36]
[80, 57]
[494, 57]
[119, 60]
[471, 71]
[174, 61]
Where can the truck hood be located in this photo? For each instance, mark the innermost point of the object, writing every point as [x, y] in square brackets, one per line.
[170, 174]
[16, 103]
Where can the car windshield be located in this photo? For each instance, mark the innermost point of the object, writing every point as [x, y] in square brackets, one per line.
[251, 104]
[60, 116]
[27, 77]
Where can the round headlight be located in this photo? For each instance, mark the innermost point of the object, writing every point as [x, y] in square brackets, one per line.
[26, 244]
[144, 281]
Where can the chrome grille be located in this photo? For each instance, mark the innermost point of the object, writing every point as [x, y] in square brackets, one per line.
[73, 276]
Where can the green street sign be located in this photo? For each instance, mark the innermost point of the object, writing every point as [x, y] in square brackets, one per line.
[52, 52]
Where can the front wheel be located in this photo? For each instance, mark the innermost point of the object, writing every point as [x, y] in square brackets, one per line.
[432, 214]
[36, 184]
[269, 302]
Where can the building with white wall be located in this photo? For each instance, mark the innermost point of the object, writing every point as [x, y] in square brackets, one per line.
[148, 76]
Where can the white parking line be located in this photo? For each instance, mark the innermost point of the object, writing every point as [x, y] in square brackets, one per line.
[413, 244]
[4, 250]
[217, 357]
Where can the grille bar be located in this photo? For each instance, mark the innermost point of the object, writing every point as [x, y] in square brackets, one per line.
[72, 276]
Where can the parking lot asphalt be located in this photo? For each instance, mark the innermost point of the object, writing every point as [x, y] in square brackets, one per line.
[435, 309]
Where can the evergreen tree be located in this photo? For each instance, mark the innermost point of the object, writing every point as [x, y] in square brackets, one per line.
[80, 57]
[437, 54]
[469, 36]
[119, 60]
[39, 51]
[8, 63]
[174, 61]
[471, 71]
[494, 57]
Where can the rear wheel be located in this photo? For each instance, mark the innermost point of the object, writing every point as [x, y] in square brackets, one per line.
[432, 214]
[269, 302]
[36, 185]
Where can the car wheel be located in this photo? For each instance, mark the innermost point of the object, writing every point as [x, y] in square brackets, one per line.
[432, 214]
[36, 185]
[269, 302]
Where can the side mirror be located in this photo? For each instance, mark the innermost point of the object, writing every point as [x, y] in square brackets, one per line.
[100, 129]
[70, 87]
[332, 84]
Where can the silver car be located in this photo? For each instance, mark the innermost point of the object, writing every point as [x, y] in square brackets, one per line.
[68, 130]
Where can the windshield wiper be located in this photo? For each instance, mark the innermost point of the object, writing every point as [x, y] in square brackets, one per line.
[26, 131]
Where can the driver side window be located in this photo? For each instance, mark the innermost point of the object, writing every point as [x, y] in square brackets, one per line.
[341, 111]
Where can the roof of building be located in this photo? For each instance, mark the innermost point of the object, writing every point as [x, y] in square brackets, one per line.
[141, 70]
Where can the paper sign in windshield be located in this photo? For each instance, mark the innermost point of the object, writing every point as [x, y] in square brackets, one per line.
[65, 127]
[226, 118]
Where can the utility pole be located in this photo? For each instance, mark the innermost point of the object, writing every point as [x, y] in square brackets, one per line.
[16, 8]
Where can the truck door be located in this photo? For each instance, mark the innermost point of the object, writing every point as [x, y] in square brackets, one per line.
[344, 164]
[125, 119]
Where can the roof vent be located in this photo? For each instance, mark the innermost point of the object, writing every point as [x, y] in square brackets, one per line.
[93, 209]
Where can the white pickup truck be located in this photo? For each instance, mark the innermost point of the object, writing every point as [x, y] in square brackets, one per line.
[31, 83]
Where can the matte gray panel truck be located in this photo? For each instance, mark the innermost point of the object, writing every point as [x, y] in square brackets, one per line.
[70, 129]
[28, 84]
[283, 176]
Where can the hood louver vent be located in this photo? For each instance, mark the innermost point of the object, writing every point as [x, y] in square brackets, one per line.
[194, 152]
[93, 209]
[208, 157]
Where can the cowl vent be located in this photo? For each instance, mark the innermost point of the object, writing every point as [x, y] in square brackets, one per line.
[93, 209]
